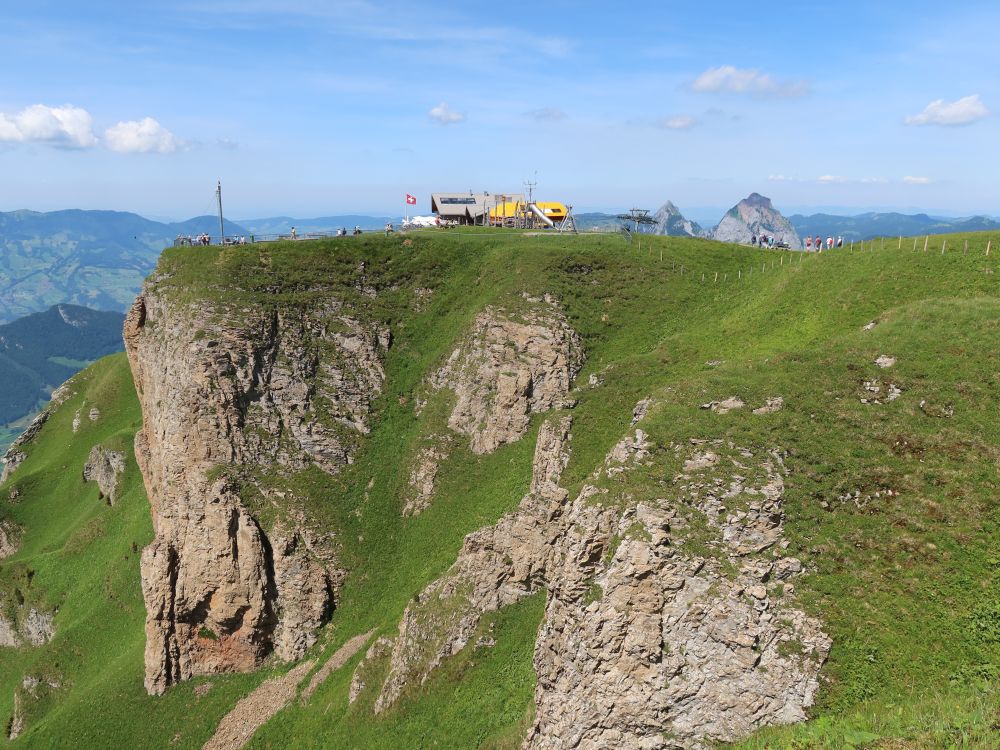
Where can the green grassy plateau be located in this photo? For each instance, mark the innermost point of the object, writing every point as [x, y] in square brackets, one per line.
[907, 583]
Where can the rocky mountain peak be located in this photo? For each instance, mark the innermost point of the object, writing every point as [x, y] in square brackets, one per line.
[670, 221]
[758, 200]
[752, 217]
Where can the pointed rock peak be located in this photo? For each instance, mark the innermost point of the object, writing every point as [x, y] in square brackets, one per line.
[668, 208]
[756, 199]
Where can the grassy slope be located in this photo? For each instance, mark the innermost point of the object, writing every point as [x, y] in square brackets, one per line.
[908, 584]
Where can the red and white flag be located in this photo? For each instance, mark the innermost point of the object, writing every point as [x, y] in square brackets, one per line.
[411, 200]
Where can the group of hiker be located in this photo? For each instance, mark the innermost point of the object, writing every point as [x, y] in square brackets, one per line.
[817, 243]
[764, 240]
[201, 239]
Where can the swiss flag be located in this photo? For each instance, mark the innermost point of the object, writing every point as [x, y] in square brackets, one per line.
[411, 200]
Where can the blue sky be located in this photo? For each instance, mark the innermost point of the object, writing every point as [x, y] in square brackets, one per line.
[311, 108]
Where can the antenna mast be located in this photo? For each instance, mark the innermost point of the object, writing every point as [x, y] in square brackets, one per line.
[222, 226]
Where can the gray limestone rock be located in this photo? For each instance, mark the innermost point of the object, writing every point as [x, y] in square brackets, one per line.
[104, 466]
[508, 368]
[754, 216]
[264, 388]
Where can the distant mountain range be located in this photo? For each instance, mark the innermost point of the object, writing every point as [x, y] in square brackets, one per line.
[93, 258]
[284, 224]
[41, 351]
[872, 225]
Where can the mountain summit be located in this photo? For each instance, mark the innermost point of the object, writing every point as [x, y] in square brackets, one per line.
[670, 221]
[753, 216]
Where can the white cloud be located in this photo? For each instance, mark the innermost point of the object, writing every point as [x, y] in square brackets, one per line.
[445, 115]
[66, 126]
[677, 122]
[547, 114]
[911, 180]
[732, 80]
[143, 136]
[830, 179]
[964, 111]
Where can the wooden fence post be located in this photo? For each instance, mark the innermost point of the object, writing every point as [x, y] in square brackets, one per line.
[900, 246]
[988, 246]
[943, 244]
[716, 277]
[966, 250]
[926, 240]
[914, 244]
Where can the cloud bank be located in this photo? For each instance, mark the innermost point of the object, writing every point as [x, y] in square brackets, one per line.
[728, 79]
[73, 127]
[964, 111]
[66, 126]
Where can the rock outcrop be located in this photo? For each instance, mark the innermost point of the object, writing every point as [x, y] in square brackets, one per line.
[643, 644]
[104, 466]
[36, 628]
[10, 538]
[264, 388]
[754, 216]
[497, 566]
[15, 454]
[670, 221]
[508, 368]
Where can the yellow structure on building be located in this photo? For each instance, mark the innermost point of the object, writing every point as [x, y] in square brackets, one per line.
[511, 211]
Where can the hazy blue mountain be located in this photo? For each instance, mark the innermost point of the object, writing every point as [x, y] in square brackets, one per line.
[93, 258]
[284, 224]
[40, 351]
[871, 225]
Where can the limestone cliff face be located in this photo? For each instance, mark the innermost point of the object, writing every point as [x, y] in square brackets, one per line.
[508, 368]
[753, 216]
[238, 388]
[643, 644]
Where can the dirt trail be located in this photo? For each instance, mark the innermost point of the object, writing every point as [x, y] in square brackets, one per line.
[253, 711]
[335, 662]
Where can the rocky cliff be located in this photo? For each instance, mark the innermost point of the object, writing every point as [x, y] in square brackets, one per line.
[753, 216]
[226, 392]
[670, 221]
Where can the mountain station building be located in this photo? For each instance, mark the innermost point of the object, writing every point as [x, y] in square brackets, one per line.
[469, 208]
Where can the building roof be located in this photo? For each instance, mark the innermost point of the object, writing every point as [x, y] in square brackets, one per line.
[467, 205]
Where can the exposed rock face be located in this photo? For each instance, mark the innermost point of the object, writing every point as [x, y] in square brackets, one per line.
[670, 221]
[497, 566]
[263, 388]
[642, 644]
[15, 454]
[754, 216]
[16, 725]
[8, 633]
[10, 538]
[771, 406]
[423, 476]
[725, 406]
[38, 628]
[509, 368]
[104, 466]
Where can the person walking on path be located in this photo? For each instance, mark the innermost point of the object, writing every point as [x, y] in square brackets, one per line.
[295, 235]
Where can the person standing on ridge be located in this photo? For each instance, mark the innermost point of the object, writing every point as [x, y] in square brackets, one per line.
[295, 235]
